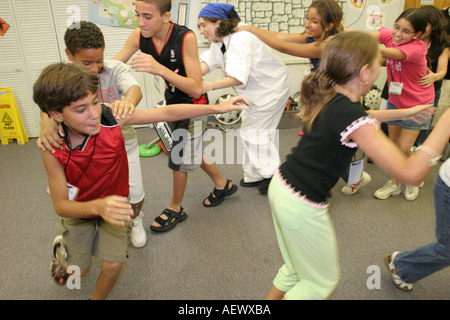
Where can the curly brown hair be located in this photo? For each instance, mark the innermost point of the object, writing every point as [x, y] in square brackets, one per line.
[85, 35]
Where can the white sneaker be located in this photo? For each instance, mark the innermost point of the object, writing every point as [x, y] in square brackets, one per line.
[388, 190]
[138, 235]
[353, 188]
[411, 192]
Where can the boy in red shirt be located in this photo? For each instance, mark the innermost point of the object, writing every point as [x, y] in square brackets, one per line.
[88, 177]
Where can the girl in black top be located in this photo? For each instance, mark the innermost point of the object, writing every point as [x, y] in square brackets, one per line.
[335, 125]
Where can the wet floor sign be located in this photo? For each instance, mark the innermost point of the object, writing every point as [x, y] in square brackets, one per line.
[11, 126]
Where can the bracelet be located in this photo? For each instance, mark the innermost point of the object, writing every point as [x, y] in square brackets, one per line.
[435, 157]
[214, 86]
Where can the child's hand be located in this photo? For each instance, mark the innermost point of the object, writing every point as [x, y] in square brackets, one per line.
[420, 113]
[234, 103]
[428, 80]
[245, 28]
[50, 135]
[115, 210]
[146, 63]
[121, 108]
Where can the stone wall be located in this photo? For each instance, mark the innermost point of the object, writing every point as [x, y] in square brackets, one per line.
[286, 16]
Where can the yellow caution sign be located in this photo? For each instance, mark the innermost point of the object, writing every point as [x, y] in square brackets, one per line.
[11, 126]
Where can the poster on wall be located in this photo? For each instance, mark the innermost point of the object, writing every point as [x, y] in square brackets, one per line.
[374, 17]
[118, 13]
[121, 13]
[370, 15]
[358, 4]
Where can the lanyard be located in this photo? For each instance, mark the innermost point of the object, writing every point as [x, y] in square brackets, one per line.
[399, 71]
[89, 162]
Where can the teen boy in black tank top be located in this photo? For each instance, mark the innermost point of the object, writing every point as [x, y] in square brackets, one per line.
[154, 22]
[171, 57]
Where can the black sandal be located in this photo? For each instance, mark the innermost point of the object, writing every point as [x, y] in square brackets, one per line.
[173, 218]
[217, 196]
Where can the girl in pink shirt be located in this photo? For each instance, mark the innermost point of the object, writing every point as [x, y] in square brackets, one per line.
[406, 64]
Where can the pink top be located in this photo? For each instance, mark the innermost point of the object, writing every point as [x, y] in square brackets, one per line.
[408, 72]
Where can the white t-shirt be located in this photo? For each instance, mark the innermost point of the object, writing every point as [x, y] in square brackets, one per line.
[263, 75]
[115, 80]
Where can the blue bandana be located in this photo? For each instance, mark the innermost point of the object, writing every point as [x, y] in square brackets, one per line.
[217, 10]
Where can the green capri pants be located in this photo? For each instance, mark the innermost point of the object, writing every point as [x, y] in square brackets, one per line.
[307, 242]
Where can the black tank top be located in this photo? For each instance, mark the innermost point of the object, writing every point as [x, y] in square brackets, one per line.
[171, 57]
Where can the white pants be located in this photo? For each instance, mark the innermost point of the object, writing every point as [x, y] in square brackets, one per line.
[137, 193]
[259, 136]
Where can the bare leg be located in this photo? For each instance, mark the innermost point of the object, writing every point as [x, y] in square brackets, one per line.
[404, 139]
[179, 186]
[211, 170]
[106, 280]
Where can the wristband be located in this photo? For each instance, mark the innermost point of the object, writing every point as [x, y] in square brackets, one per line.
[435, 157]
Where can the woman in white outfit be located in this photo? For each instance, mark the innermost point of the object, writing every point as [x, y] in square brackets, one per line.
[255, 72]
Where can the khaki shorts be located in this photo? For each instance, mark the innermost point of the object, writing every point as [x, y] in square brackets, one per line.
[84, 238]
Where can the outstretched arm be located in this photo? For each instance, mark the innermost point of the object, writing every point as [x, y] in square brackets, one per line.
[292, 44]
[418, 113]
[226, 82]
[182, 111]
[389, 157]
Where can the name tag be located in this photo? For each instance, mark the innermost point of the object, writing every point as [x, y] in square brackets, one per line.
[395, 88]
[72, 191]
[356, 168]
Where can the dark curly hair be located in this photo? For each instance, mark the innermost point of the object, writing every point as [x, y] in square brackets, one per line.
[83, 35]
[226, 26]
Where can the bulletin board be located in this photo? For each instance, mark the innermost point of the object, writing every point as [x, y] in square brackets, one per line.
[441, 4]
